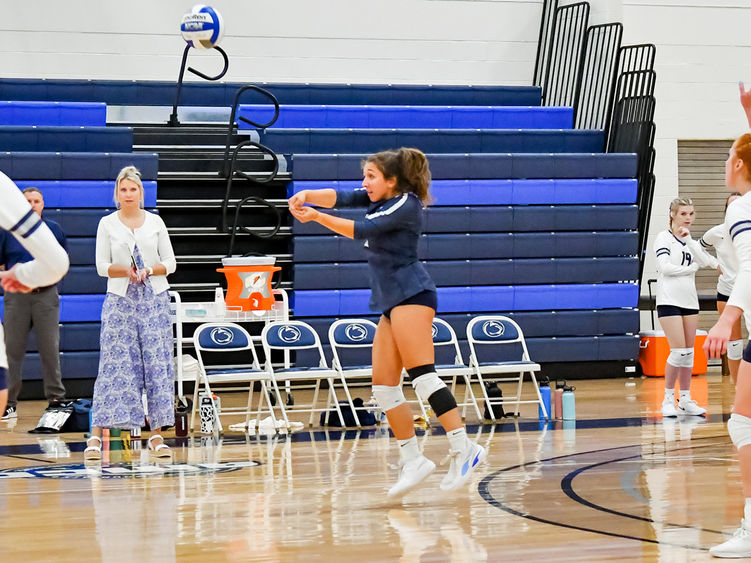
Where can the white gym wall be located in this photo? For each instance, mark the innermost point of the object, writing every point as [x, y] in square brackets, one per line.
[703, 50]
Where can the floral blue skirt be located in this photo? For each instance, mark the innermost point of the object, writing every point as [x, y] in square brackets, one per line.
[135, 354]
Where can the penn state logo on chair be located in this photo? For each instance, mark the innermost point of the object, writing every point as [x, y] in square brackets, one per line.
[289, 334]
[493, 329]
[356, 332]
[433, 331]
[222, 336]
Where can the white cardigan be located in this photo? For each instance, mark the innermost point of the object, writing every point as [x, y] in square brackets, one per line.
[115, 243]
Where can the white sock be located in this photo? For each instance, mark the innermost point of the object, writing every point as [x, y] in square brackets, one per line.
[458, 441]
[669, 394]
[408, 449]
[684, 394]
[747, 513]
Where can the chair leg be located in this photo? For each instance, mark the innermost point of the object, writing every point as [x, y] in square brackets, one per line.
[314, 404]
[519, 393]
[468, 390]
[333, 398]
[486, 398]
[349, 400]
[280, 403]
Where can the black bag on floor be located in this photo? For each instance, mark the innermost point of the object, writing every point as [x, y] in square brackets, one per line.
[494, 392]
[53, 419]
[366, 418]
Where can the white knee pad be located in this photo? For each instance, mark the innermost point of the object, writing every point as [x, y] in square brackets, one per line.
[388, 397]
[681, 357]
[739, 428]
[735, 350]
[427, 384]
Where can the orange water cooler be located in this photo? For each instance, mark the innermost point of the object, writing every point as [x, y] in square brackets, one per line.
[249, 282]
[654, 350]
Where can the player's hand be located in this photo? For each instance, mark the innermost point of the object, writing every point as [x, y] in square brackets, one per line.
[304, 214]
[134, 276]
[10, 283]
[745, 96]
[298, 200]
[683, 232]
[719, 270]
[717, 340]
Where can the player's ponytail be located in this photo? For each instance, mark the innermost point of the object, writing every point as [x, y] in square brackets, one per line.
[409, 167]
[743, 151]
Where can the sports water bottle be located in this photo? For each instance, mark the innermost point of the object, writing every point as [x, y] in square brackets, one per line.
[220, 307]
[558, 401]
[207, 415]
[545, 394]
[569, 403]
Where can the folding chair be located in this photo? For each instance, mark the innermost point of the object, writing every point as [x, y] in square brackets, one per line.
[444, 336]
[296, 335]
[348, 334]
[223, 338]
[495, 331]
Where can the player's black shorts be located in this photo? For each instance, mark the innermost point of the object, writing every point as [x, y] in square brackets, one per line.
[426, 297]
[673, 311]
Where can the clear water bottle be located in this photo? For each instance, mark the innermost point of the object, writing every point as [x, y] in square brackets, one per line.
[220, 307]
[569, 403]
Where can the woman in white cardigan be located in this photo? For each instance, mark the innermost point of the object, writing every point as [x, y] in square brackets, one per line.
[134, 253]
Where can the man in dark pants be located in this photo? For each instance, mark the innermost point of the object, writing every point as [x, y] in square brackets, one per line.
[39, 309]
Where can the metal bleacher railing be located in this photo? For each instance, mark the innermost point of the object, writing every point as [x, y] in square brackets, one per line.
[610, 86]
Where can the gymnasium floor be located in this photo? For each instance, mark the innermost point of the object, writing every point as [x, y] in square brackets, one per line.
[619, 484]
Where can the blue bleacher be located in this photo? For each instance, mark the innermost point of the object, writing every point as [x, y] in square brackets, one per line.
[78, 222]
[509, 192]
[354, 275]
[77, 308]
[328, 249]
[477, 166]
[75, 165]
[307, 141]
[527, 218]
[59, 114]
[347, 302]
[84, 193]
[66, 139]
[162, 93]
[409, 117]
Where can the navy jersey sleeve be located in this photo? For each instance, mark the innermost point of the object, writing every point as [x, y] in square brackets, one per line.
[352, 198]
[403, 214]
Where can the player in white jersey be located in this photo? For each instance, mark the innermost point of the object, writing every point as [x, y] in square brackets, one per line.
[50, 260]
[678, 258]
[738, 224]
[718, 238]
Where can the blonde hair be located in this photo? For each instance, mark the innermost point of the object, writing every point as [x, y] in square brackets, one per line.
[128, 173]
[409, 167]
[675, 204]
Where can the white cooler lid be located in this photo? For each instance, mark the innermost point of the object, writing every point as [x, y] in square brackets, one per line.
[651, 333]
[249, 261]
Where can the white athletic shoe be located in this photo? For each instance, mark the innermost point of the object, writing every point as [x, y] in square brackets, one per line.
[463, 463]
[737, 546]
[668, 408]
[411, 475]
[690, 407]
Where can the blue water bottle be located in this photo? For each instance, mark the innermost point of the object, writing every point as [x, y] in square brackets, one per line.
[569, 403]
[545, 394]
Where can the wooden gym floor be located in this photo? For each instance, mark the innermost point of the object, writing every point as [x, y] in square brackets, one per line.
[618, 484]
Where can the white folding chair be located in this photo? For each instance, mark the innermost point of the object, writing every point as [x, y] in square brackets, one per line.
[225, 338]
[494, 331]
[348, 334]
[296, 335]
[444, 336]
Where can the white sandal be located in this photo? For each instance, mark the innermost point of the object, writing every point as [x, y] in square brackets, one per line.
[93, 453]
[161, 449]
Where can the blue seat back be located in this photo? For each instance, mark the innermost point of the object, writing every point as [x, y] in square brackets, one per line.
[290, 335]
[492, 330]
[353, 333]
[222, 337]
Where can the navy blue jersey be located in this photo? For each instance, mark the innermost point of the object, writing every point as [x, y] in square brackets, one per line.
[391, 230]
[12, 253]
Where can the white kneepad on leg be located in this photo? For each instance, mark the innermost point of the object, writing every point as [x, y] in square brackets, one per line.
[739, 428]
[426, 385]
[388, 397]
[681, 357]
[735, 350]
